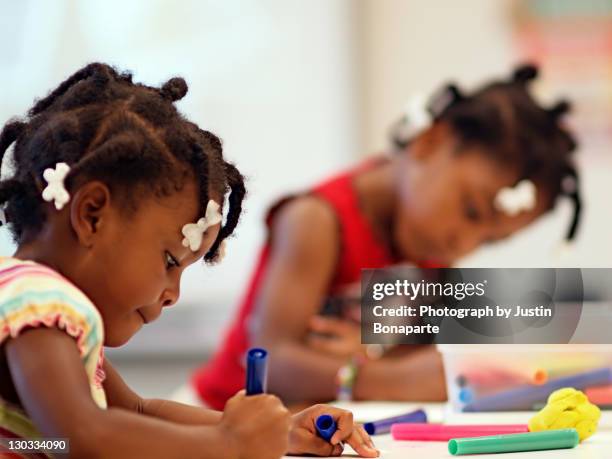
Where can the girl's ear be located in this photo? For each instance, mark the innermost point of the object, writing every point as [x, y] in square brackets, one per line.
[89, 210]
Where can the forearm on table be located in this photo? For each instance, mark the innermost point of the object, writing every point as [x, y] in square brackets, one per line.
[417, 376]
[119, 433]
[179, 412]
[402, 350]
[298, 373]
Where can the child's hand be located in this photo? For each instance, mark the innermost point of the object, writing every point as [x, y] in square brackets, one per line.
[303, 438]
[339, 337]
[257, 426]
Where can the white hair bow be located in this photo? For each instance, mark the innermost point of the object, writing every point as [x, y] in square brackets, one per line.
[514, 200]
[417, 115]
[55, 190]
[194, 232]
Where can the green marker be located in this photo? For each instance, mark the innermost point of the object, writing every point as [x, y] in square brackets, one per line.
[532, 441]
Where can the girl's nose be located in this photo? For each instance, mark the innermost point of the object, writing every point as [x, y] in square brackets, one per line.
[170, 296]
[463, 243]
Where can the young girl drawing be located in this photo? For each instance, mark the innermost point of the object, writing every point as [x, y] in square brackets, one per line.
[114, 194]
[472, 168]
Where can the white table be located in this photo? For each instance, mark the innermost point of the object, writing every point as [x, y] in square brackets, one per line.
[597, 447]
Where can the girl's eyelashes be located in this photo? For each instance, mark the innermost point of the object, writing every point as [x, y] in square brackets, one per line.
[171, 262]
[471, 211]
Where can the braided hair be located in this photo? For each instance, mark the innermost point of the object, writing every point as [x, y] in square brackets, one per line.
[126, 134]
[503, 117]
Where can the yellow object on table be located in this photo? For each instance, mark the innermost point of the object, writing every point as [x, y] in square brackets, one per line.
[567, 408]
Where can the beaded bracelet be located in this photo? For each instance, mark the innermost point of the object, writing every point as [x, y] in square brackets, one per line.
[346, 377]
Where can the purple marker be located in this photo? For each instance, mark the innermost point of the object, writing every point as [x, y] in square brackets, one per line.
[524, 397]
[383, 426]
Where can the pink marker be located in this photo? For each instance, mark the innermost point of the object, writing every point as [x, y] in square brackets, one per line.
[441, 432]
[599, 395]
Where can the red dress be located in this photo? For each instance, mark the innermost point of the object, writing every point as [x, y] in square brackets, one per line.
[224, 375]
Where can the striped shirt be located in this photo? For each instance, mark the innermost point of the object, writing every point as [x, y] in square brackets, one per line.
[34, 295]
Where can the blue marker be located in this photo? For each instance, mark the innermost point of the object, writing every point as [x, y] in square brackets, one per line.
[524, 397]
[326, 426]
[383, 426]
[466, 395]
[257, 371]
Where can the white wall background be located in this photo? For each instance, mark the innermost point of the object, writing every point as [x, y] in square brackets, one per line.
[272, 78]
[296, 89]
[417, 45]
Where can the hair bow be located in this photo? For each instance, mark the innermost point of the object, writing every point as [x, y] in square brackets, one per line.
[517, 199]
[194, 232]
[55, 190]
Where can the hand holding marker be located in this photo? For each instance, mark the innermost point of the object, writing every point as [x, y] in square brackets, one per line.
[325, 424]
[341, 426]
[256, 384]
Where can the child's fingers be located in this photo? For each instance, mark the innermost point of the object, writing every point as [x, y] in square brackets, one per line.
[331, 325]
[329, 345]
[362, 444]
[347, 431]
[344, 424]
[236, 397]
[366, 436]
[304, 442]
